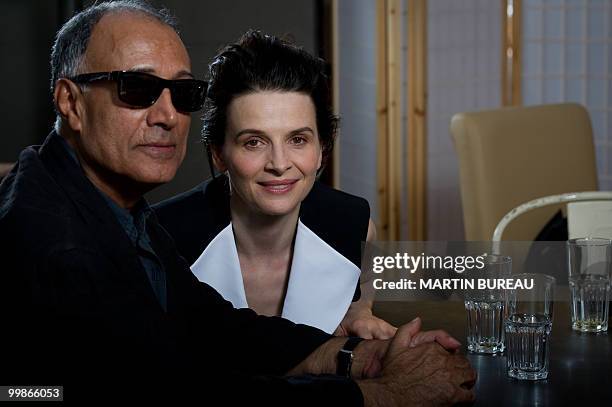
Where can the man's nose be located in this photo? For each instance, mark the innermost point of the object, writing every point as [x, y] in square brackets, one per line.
[163, 113]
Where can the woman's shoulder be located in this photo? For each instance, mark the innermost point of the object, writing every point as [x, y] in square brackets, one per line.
[338, 218]
[324, 201]
[203, 202]
[185, 199]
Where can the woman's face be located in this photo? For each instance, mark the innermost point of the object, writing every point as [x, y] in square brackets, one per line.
[271, 151]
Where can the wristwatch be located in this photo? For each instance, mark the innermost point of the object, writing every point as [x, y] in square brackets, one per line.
[345, 356]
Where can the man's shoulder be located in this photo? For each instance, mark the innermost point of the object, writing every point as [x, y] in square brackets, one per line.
[32, 206]
[29, 183]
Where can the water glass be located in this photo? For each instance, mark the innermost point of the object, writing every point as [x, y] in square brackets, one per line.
[590, 261]
[527, 324]
[485, 308]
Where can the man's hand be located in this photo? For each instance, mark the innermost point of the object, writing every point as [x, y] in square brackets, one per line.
[371, 356]
[416, 370]
[413, 368]
[426, 375]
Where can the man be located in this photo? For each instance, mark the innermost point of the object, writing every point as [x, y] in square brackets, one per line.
[94, 295]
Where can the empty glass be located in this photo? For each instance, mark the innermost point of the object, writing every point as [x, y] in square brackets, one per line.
[528, 323]
[590, 261]
[485, 308]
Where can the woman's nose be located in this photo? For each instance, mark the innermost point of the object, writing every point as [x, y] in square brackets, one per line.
[279, 161]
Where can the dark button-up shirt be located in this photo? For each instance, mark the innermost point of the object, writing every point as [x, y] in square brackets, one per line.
[134, 223]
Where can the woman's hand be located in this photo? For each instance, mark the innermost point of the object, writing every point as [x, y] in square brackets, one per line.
[359, 321]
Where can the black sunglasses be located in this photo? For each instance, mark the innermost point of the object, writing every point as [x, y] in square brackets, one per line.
[142, 90]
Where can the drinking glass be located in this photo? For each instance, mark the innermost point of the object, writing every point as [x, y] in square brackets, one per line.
[589, 280]
[485, 308]
[528, 323]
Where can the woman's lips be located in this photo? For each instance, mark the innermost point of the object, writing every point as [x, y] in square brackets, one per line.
[278, 186]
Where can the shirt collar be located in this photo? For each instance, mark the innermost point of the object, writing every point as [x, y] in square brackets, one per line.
[133, 221]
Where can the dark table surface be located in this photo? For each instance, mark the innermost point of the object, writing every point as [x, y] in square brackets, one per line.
[580, 370]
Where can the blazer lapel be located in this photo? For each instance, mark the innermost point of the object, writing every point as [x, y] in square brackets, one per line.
[219, 267]
[321, 287]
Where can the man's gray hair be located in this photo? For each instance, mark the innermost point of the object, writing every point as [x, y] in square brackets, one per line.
[72, 39]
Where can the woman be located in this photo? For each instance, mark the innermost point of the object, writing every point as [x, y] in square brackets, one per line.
[266, 235]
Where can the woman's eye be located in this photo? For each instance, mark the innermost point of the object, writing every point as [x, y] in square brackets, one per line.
[253, 143]
[298, 140]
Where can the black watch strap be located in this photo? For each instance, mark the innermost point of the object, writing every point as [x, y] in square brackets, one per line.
[345, 357]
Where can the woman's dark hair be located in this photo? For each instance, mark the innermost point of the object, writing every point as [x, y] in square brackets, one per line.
[259, 62]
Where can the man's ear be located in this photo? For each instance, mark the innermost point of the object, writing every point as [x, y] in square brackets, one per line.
[66, 97]
[218, 159]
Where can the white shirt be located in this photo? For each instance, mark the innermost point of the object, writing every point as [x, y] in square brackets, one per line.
[321, 281]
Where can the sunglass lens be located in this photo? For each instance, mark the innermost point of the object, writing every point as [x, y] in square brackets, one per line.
[188, 95]
[138, 89]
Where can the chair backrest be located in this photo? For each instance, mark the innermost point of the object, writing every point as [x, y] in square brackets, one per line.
[589, 219]
[513, 155]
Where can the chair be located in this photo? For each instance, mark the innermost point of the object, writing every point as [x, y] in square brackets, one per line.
[589, 219]
[589, 215]
[513, 155]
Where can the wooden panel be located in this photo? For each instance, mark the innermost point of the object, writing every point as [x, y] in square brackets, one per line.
[388, 116]
[382, 114]
[327, 45]
[416, 152]
[394, 118]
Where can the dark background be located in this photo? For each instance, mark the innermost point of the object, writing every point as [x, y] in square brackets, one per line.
[29, 27]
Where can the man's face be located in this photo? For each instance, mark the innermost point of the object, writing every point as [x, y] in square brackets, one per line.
[124, 149]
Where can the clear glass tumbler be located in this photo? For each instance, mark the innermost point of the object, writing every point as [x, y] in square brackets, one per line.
[590, 273]
[485, 308]
[528, 323]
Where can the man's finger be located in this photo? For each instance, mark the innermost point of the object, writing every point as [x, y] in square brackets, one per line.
[461, 362]
[465, 378]
[438, 335]
[463, 395]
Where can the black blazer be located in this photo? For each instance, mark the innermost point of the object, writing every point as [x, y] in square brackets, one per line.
[195, 217]
[78, 310]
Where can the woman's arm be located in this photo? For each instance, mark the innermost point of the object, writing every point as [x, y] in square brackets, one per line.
[359, 320]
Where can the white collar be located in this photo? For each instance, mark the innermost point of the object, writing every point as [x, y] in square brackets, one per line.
[321, 282]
